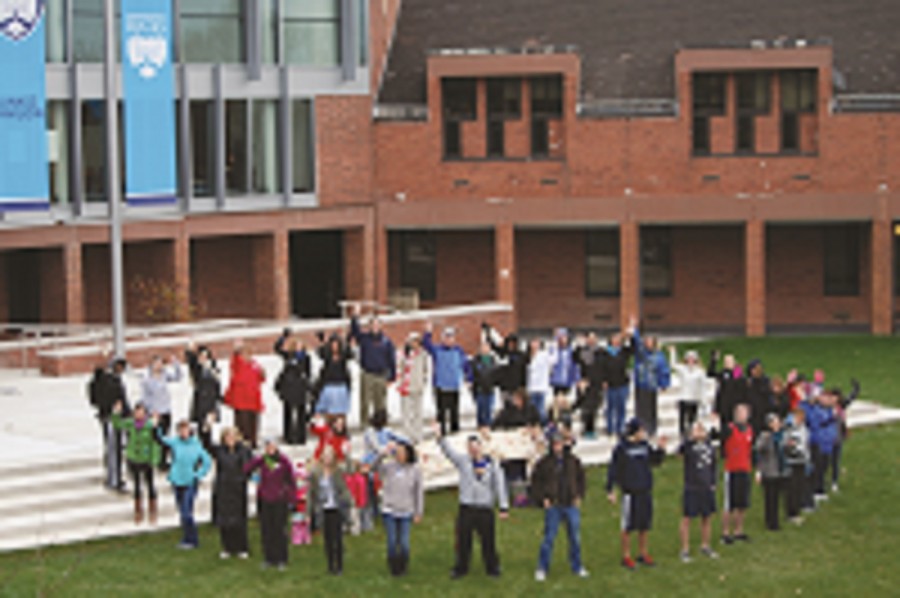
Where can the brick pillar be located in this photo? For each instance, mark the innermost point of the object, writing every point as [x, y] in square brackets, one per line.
[281, 285]
[271, 275]
[371, 269]
[181, 275]
[74, 283]
[505, 260]
[381, 281]
[755, 270]
[629, 271]
[882, 272]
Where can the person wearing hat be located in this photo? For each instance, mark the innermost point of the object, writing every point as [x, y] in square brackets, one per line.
[482, 484]
[415, 375]
[558, 486]
[631, 470]
[451, 371]
[275, 491]
[377, 361]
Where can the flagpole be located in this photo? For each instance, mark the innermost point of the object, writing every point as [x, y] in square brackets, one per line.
[113, 184]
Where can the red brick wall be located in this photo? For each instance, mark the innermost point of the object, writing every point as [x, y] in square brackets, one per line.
[354, 264]
[53, 287]
[382, 19]
[220, 273]
[344, 149]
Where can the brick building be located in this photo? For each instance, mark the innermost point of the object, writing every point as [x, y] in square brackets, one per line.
[707, 164]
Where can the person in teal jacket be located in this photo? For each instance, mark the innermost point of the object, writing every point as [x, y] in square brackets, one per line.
[190, 464]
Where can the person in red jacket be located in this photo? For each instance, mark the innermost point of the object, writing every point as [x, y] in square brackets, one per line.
[332, 432]
[737, 449]
[244, 393]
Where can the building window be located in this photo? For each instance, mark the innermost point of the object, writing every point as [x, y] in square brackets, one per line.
[504, 102]
[304, 155]
[363, 31]
[459, 100]
[236, 147]
[602, 263]
[546, 105]
[798, 96]
[418, 264]
[708, 93]
[842, 253]
[266, 157]
[93, 150]
[752, 101]
[203, 147]
[58, 150]
[211, 31]
[312, 32]
[55, 23]
[656, 262]
[87, 30]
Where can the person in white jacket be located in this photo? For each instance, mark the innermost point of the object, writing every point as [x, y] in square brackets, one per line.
[540, 363]
[693, 381]
[414, 377]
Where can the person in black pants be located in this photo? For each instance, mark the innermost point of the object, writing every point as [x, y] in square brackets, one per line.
[328, 504]
[230, 494]
[105, 390]
[293, 387]
[276, 490]
[591, 360]
[771, 467]
[207, 391]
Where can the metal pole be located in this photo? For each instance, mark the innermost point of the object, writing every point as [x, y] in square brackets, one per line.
[113, 185]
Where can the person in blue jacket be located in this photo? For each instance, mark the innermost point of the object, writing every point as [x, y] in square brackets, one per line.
[451, 370]
[190, 464]
[651, 375]
[630, 470]
[824, 429]
[565, 372]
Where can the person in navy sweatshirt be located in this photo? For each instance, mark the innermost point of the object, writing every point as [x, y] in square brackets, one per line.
[699, 498]
[451, 371]
[630, 470]
[377, 360]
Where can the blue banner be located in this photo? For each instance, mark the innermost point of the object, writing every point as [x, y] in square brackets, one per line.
[148, 83]
[24, 169]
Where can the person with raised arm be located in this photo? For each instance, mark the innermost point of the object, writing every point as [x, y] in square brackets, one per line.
[377, 361]
[451, 372]
[293, 387]
[244, 393]
[403, 501]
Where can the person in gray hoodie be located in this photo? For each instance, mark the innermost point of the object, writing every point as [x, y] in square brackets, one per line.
[770, 467]
[402, 500]
[482, 484]
[796, 459]
[156, 397]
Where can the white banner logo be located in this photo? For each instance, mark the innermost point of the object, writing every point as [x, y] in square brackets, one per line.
[18, 18]
[147, 43]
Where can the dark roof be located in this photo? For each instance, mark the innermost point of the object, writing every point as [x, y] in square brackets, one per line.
[628, 46]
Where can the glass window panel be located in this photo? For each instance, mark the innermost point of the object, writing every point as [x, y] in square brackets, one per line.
[753, 92]
[211, 31]
[459, 97]
[87, 31]
[312, 32]
[58, 150]
[266, 160]
[841, 268]
[418, 268]
[312, 9]
[602, 263]
[656, 262]
[55, 23]
[269, 40]
[236, 147]
[709, 93]
[304, 147]
[363, 30]
[93, 150]
[546, 96]
[203, 147]
[504, 98]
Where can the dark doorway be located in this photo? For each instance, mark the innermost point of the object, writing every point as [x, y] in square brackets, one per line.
[24, 284]
[317, 273]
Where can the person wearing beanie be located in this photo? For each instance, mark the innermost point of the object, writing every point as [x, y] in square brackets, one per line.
[631, 470]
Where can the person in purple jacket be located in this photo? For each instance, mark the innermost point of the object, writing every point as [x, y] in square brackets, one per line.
[275, 492]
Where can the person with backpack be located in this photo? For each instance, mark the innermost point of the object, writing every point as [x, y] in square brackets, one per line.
[106, 390]
[293, 387]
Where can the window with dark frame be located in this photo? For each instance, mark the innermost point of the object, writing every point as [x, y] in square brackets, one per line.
[708, 91]
[753, 91]
[418, 263]
[601, 265]
[842, 253]
[656, 262]
[546, 105]
[459, 100]
[504, 102]
[798, 96]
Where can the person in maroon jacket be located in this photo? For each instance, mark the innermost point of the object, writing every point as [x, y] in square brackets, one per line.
[275, 492]
[737, 449]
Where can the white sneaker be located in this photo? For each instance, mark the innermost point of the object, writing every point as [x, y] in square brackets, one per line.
[685, 557]
[540, 575]
[834, 487]
[243, 556]
[583, 573]
[224, 556]
[709, 552]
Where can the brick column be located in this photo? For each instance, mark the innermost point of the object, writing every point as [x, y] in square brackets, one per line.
[629, 271]
[882, 272]
[271, 275]
[372, 269]
[74, 282]
[281, 285]
[505, 264]
[755, 271]
[181, 275]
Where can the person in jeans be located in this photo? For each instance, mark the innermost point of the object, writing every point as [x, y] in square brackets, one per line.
[277, 489]
[190, 464]
[615, 378]
[483, 366]
[105, 391]
[482, 484]
[377, 364]
[451, 371]
[328, 505]
[156, 397]
[558, 485]
[540, 364]
[403, 501]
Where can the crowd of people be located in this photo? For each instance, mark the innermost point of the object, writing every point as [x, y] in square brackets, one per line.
[786, 434]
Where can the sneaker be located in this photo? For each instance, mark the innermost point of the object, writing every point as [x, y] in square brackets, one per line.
[282, 567]
[540, 575]
[582, 573]
[709, 552]
[454, 574]
[685, 556]
[727, 540]
[808, 510]
[224, 556]
[243, 556]
[628, 563]
[186, 546]
[821, 498]
[646, 561]
[834, 487]
[741, 538]
[797, 521]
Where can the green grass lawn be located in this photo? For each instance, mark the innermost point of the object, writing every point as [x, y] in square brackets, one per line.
[849, 547]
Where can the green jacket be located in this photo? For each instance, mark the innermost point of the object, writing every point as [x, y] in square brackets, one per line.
[142, 446]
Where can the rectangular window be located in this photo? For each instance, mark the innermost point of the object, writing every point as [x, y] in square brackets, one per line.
[211, 31]
[203, 147]
[236, 147]
[312, 32]
[93, 150]
[459, 101]
[842, 253]
[55, 36]
[304, 147]
[266, 162]
[656, 262]
[87, 30]
[752, 101]
[798, 96]
[708, 100]
[496, 138]
[58, 150]
[546, 105]
[601, 263]
[418, 265]
[504, 102]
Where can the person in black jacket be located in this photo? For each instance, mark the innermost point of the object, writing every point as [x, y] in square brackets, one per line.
[732, 388]
[105, 390]
[229, 495]
[616, 361]
[515, 414]
[207, 391]
[512, 374]
[293, 387]
[591, 360]
[699, 499]
[630, 470]
[759, 394]
[484, 372]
